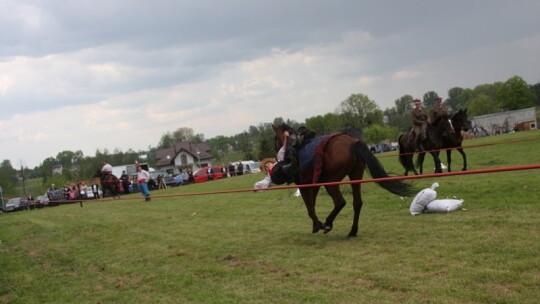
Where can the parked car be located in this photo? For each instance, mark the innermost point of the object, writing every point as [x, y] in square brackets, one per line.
[201, 174]
[15, 204]
[167, 178]
[41, 201]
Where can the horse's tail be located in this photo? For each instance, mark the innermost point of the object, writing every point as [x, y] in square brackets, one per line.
[403, 157]
[376, 169]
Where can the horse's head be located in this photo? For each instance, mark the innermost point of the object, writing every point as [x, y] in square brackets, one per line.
[97, 173]
[460, 120]
[279, 138]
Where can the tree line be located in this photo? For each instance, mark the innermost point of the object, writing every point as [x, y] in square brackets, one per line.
[358, 115]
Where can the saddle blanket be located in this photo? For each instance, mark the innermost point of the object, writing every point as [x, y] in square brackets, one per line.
[310, 158]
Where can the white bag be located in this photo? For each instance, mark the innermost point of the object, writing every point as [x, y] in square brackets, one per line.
[444, 205]
[422, 199]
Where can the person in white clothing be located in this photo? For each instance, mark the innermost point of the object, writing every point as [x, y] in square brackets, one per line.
[107, 168]
[142, 178]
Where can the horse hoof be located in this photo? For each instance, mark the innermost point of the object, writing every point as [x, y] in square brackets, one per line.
[327, 229]
[315, 229]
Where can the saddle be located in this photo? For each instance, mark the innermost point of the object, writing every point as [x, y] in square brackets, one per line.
[311, 157]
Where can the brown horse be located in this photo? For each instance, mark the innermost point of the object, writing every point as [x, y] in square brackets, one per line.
[341, 155]
[432, 143]
[109, 184]
[459, 122]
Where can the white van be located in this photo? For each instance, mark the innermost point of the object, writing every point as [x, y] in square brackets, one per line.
[249, 166]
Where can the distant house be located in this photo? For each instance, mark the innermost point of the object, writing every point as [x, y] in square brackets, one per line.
[183, 155]
[504, 122]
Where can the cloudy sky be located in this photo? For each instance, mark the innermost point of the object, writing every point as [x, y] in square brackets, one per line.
[92, 74]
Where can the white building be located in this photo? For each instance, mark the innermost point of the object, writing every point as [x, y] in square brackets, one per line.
[504, 122]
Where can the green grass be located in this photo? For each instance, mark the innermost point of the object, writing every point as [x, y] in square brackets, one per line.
[258, 248]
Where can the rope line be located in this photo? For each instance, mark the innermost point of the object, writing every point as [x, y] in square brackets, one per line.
[463, 147]
[370, 180]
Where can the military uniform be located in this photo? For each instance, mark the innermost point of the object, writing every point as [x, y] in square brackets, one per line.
[420, 120]
[438, 111]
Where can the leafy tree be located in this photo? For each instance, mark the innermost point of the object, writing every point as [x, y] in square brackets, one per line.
[453, 97]
[8, 177]
[358, 112]
[401, 122]
[481, 105]
[429, 99]
[463, 99]
[536, 89]
[326, 124]
[378, 133]
[165, 141]
[404, 104]
[489, 90]
[266, 149]
[515, 94]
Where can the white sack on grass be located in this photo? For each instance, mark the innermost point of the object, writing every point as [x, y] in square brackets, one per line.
[422, 199]
[444, 205]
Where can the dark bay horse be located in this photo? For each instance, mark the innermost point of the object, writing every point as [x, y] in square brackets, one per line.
[406, 153]
[460, 123]
[431, 143]
[109, 183]
[342, 155]
[434, 142]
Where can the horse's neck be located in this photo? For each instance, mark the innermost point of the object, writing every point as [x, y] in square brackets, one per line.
[456, 125]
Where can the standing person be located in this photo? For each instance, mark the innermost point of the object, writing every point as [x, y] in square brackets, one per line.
[240, 168]
[30, 202]
[142, 178]
[420, 121]
[95, 190]
[210, 172]
[231, 170]
[125, 182]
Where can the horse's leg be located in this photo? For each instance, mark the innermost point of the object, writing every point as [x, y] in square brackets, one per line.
[412, 165]
[339, 203]
[460, 150]
[357, 205]
[309, 196]
[420, 162]
[437, 161]
[449, 159]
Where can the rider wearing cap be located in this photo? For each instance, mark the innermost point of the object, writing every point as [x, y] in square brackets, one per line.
[438, 110]
[420, 121]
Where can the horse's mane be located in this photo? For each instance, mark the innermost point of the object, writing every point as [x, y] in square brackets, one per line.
[286, 127]
[438, 119]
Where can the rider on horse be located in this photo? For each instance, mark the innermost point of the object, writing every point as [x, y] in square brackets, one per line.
[439, 111]
[420, 121]
[107, 169]
[286, 168]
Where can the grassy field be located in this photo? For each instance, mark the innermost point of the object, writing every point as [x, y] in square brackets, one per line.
[250, 247]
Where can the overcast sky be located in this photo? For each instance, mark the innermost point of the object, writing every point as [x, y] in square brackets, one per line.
[92, 74]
